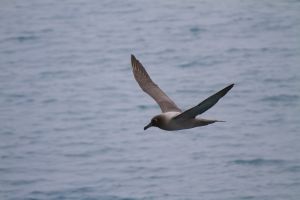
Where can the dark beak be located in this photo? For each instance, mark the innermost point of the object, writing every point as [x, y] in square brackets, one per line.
[148, 126]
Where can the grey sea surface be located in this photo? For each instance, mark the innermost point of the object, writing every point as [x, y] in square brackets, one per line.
[72, 115]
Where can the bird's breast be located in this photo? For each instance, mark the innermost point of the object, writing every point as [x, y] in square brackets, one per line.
[167, 121]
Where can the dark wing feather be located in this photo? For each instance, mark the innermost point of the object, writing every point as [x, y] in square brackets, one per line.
[204, 105]
[148, 86]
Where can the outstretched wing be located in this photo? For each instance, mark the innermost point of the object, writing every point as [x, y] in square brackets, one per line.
[204, 105]
[148, 86]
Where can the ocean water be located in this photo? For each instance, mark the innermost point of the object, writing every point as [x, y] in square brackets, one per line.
[72, 115]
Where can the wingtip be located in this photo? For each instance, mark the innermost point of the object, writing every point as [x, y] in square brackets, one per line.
[224, 91]
[229, 87]
[132, 57]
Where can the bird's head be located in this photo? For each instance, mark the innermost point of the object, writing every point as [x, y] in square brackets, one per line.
[155, 121]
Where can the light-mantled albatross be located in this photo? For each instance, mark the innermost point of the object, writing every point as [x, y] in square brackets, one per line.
[172, 118]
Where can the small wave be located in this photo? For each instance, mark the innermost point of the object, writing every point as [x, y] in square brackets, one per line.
[5, 169]
[17, 96]
[23, 38]
[188, 64]
[25, 182]
[74, 193]
[197, 30]
[205, 61]
[49, 101]
[115, 198]
[47, 74]
[259, 162]
[80, 155]
[272, 80]
[146, 107]
[281, 98]
[248, 197]
[294, 169]
[77, 193]
[7, 133]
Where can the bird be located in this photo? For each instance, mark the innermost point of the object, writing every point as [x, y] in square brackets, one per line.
[173, 118]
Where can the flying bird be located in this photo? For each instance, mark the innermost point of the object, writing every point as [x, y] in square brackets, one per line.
[173, 118]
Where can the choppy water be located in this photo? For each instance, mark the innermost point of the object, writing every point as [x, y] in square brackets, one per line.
[72, 116]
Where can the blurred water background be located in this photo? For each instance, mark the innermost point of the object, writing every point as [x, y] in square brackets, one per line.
[72, 115]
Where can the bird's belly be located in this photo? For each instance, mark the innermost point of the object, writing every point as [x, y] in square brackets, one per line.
[174, 125]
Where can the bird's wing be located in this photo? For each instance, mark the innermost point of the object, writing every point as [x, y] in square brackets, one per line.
[204, 105]
[148, 86]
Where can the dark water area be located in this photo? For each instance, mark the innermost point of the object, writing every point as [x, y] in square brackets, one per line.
[72, 115]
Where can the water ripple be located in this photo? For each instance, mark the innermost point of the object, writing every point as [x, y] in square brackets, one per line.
[259, 162]
[72, 115]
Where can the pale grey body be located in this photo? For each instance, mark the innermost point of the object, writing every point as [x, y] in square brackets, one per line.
[172, 118]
